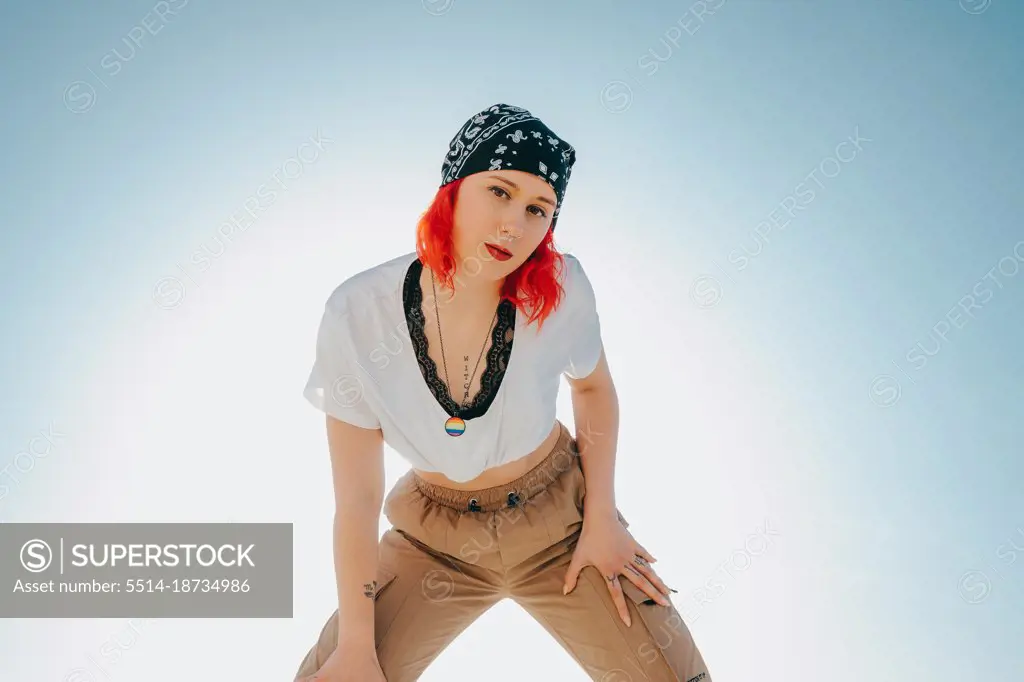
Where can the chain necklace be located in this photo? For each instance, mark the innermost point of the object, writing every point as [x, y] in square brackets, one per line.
[456, 426]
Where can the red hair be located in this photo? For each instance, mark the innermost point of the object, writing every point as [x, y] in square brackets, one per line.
[533, 287]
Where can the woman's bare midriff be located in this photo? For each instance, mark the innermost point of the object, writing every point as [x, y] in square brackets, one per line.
[501, 474]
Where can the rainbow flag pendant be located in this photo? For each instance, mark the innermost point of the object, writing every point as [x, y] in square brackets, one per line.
[455, 426]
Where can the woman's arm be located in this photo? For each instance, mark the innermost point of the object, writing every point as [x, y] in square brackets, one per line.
[605, 543]
[357, 467]
[595, 407]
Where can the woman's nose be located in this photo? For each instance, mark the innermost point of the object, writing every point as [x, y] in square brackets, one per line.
[508, 234]
[512, 228]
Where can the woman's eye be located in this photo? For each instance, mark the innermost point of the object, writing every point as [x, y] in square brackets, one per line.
[495, 189]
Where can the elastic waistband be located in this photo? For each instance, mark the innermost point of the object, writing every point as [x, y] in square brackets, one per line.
[562, 458]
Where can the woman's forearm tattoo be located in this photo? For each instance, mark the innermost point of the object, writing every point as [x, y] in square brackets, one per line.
[369, 588]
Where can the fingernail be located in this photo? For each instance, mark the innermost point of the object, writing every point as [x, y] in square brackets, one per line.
[629, 622]
[565, 589]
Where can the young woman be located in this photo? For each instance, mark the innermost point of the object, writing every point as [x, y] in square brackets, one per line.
[452, 355]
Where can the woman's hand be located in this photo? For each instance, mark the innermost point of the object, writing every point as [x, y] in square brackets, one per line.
[348, 665]
[609, 547]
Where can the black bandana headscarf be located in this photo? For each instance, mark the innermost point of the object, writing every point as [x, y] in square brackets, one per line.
[504, 137]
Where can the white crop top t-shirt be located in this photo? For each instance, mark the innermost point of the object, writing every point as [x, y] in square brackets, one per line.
[371, 370]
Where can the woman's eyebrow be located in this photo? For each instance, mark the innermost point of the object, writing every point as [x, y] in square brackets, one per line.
[515, 186]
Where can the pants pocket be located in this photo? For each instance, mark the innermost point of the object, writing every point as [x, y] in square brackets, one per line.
[384, 578]
[572, 508]
[670, 646]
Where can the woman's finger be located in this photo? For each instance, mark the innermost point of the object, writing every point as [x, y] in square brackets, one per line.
[648, 572]
[612, 581]
[642, 551]
[646, 585]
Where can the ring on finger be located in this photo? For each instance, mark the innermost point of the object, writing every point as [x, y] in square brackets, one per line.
[639, 560]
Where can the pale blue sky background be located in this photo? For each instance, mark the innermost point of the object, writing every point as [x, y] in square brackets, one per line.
[795, 377]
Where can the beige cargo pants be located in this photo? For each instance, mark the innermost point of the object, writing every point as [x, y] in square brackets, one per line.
[451, 555]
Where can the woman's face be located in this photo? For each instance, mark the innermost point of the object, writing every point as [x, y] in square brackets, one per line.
[494, 204]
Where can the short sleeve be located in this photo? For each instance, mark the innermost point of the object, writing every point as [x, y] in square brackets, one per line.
[583, 322]
[336, 384]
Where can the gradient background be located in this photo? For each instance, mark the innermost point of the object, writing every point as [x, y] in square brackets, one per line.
[811, 378]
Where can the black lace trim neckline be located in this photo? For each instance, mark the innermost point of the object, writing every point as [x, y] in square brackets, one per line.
[496, 359]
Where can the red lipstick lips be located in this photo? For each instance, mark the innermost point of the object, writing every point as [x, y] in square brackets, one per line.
[497, 252]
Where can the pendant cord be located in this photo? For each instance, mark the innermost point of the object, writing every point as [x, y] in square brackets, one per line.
[437, 316]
